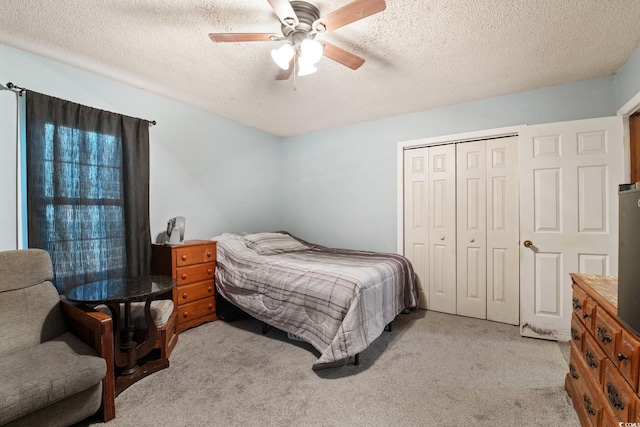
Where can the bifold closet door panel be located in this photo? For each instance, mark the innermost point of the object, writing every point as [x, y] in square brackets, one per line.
[442, 228]
[471, 169]
[503, 228]
[416, 218]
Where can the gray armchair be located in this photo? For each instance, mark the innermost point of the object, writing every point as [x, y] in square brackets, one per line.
[56, 359]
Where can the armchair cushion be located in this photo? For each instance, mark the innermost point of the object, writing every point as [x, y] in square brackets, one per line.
[47, 373]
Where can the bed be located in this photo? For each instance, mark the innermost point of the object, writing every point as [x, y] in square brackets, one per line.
[337, 300]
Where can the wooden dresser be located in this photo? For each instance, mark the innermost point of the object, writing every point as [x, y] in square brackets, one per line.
[603, 364]
[193, 264]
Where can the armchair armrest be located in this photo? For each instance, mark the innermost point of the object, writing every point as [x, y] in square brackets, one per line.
[96, 330]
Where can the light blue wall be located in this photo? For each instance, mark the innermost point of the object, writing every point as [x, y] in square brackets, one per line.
[628, 79]
[220, 175]
[339, 186]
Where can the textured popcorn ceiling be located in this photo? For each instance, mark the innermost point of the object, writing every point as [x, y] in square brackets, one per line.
[419, 54]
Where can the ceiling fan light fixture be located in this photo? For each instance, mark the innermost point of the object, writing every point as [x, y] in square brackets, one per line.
[311, 50]
[305, 67]
[282, 56]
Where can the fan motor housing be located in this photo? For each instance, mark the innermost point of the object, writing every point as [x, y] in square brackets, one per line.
[307, 14]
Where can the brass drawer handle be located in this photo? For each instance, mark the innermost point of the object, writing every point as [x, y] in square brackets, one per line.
[210, 289]
[603, 334]
[185, 314]
[184, 257]
[587, 404]
[209, 254]
[614, 398]
[576, 304]
[209, 272]
[575, 335]
[184, 276]
[591, 360]
[184, 295]
[210, 306]
[573, 371]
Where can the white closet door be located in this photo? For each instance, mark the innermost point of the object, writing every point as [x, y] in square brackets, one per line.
[416, 217]
[471, 245]
[569, 173]
[442, 228]
[503, 228]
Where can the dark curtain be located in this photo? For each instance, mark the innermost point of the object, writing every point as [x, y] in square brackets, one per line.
[87, 190]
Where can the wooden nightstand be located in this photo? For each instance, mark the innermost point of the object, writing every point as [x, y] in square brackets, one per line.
[193, 264]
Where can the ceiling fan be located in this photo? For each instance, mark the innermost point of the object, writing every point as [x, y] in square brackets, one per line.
[301, 22]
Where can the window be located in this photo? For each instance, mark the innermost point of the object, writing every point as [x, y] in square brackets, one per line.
[85, 173]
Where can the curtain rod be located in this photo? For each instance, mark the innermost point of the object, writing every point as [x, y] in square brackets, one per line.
[22, 90]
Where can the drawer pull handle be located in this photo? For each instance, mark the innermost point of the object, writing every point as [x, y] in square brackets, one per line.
[573, 371]
[585, 315]
[184, 276]
[210, 289]
[210, 306]
[591, 360]
[587, 404]
[184, 257]
[603, 334]
[185, 314]
[209, 272]
[575, 335]
[184, 295]
[208, 254]
[614, 398]
[621, 357]
[576, 304]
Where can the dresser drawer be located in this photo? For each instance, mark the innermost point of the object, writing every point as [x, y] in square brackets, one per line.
[197, 254]
[594, 358]
[607, 332]
[628, 358]
[194, 291]
[589, 314]
[618, 393]
[578, 300]
[195, 273]
[590, 403]
[197, 309]
[577, 333]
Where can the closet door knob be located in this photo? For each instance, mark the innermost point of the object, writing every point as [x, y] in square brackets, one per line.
[472, 240]
[442, 238]
[528, 243]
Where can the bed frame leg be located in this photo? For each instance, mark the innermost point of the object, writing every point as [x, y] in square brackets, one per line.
[265, 328]
[356, 359]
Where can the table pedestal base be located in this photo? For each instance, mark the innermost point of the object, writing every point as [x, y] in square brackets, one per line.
[148, 368]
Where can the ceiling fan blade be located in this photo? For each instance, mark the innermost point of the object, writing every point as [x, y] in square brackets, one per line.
[340, 55]
[285, 74]
[349, 13]
[240, 37]
[285, 12]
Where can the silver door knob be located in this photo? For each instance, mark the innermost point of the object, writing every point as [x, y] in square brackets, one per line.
[472, 240]
[528, 243]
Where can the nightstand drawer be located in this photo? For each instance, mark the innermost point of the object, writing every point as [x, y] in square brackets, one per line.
[197, 309]
[194, 291]
[195, 273]
[197, 254]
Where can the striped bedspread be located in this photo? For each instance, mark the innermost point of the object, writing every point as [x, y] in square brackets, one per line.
[337, 300]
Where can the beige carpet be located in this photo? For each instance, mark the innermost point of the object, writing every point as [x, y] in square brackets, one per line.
[433, 369]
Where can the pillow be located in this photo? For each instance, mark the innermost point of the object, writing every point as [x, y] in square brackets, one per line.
[273, 243]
